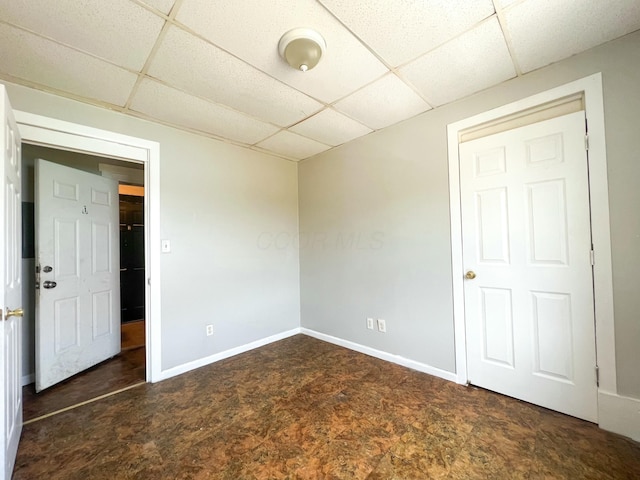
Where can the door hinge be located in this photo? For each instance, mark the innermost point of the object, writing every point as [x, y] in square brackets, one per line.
[586, 142]
[597, 376]
[592, 257]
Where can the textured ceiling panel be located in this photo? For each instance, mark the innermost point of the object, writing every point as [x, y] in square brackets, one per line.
[162, 5]
[545, 31]
[383, 103]
[219, 73]
[293, 145]
[36, 59]
[418, 26]
[178, 108]
[252, 29]
[506, 3]
[467, 64]
[117, 30]
[198, 67]
[331, 127]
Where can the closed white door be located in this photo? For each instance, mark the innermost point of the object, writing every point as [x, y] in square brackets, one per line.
[78, 262]
[11, 291]
[527, 239]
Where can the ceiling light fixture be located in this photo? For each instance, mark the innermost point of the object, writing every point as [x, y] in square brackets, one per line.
[302, 48]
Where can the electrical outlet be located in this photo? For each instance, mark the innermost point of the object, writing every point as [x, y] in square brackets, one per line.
[370, 323]
[209, 330]
[382, 325]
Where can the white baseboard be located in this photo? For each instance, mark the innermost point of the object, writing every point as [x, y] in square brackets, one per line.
[201, 362]
[421, 367]
[405, 362]
[27, 379]
[619, 414]
[616, 413]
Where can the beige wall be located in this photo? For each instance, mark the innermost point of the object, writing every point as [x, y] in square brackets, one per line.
[391, 188]
[216, 201]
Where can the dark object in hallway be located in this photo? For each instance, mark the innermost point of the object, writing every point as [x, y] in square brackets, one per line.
[131, 258]
[305, 409]
[125, 369]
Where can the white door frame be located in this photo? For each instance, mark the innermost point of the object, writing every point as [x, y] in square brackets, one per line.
[591, 86]
[50, 132]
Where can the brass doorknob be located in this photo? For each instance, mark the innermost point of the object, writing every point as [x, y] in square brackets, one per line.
[470, 275]
[18, 312]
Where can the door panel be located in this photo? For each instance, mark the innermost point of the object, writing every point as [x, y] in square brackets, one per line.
[546, 238]
[497, 326]
[526, 235]
[66, 318]
[11, 291]
[493, 226]
[67, 259]
[78, 317]
[102, 314]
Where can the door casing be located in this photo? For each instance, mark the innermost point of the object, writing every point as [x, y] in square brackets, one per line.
[591, 87]
[49, 132]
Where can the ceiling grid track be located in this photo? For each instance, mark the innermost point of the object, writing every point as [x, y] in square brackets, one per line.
[507, 37]
[152, 53]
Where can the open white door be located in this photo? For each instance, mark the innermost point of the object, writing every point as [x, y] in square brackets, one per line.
[526, 246]
[11, 291]
[78, 264]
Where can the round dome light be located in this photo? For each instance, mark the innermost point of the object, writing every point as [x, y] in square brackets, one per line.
[302, 48]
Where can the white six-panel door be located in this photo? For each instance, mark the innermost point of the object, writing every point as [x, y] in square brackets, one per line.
[11, 292]
[77, 248]
[526, 237]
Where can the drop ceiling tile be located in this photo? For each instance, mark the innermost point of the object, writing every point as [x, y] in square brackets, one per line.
[183, 110]
[506, 3]
[198, 67]
[292, 145]
[383, 103]
[331, 127]
[252, 30]
[418, 26]
[162, 5]
[472, 62]
[117, 30]
[39, 60]
[545, 31]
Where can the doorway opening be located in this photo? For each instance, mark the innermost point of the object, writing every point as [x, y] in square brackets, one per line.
[127, 368]
[132, 271]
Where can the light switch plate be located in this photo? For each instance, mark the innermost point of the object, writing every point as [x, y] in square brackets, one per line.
[165, 246]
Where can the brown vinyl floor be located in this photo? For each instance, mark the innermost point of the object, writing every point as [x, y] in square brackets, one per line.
[132, 335]
[123, 370]
[304, 409]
